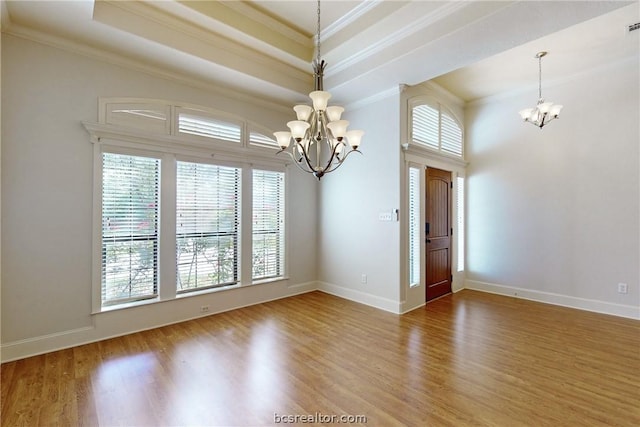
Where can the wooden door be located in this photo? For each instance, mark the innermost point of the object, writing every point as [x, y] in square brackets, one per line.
[438, 233]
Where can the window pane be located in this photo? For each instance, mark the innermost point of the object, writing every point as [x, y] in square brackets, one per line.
[414, 227]
[460, 210]
[261, 140]
[451, 136]
[209, 127]
[207, 203]
[130, 194]
[268, 224]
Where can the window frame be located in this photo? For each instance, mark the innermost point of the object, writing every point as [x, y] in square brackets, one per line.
[171, 148]
[442, 109]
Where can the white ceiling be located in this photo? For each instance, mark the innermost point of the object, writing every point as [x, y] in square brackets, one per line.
[473, 48]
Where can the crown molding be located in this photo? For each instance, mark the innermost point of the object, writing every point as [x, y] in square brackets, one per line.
[349, 18]
[397, 36]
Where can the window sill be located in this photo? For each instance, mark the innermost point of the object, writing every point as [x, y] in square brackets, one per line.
[157, 300]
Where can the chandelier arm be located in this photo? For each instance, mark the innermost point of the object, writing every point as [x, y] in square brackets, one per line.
[337, 165]
[297, 162]
[305, 155]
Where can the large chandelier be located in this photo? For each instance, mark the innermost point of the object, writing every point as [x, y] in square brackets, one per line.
[544, 112]
[317, 140]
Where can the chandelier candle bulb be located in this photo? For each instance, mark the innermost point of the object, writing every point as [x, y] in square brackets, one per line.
[334, 113]
[338, 128]
[283, 138]
[298, 129]
[303, 112]
[320, 99]
[354, 137]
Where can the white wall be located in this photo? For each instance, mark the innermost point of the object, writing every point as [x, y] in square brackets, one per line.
[353, 241]
[47, 200]
[553, 214]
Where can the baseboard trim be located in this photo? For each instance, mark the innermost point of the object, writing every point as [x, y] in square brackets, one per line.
[361, 297]
[621, 310]
[113, 325]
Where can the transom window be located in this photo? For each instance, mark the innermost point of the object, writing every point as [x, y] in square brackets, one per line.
[433, 126]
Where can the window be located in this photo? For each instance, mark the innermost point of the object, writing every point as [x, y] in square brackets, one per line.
[460, 211]
[176, 187]
[130, 195]
[434, 127]
[414, 227]
[207, 215]
[268, 224]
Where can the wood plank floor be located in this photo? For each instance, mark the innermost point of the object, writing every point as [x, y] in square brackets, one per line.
[466, 359]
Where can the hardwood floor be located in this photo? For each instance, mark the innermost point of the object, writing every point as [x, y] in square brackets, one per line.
[465, 359]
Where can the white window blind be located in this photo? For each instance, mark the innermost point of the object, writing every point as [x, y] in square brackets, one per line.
[268, 224]
[130, 194]
[450, 135]
[460, 210]
[434, 127]
[209, 127]
[425, 126]
[414, 227]
[261, 140]
[207, 218]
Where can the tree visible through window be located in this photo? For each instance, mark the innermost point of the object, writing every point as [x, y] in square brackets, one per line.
[268, 224]
[207, 215]
[129, 228]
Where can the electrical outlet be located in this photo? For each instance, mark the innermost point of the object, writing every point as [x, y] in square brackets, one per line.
[363, 279]
[204, 309]
[622, 288]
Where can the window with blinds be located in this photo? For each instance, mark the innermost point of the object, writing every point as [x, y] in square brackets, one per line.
[414, 227]
[130, 194]
[268, 224]
[207, 218]
[434, 127]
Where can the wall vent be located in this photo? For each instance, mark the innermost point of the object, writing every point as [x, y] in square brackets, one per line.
[634, 27]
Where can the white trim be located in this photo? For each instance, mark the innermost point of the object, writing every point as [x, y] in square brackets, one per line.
[349, 18]
[118, 136]
[629, 311]
[361, 297]
[111, 324]
[447, 9]
[422, 155]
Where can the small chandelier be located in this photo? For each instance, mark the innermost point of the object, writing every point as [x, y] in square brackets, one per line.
[544, 111]
[318, 135]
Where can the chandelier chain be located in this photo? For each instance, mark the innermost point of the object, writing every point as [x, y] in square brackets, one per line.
[540, 77]
[318, 36]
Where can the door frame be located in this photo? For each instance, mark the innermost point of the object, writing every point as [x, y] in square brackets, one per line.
[415, 296]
